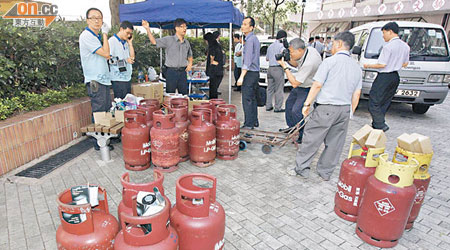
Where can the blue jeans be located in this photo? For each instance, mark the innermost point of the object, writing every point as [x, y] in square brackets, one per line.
[249, 103]
[294, 105]
[380, 97]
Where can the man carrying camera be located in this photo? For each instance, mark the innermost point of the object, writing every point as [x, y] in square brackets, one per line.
[306, 61]
[275, 74]
[178, 56]
[122, 58]
[94, 53]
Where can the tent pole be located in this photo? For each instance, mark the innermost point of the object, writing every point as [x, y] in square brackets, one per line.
[229, 72]
[160, 50]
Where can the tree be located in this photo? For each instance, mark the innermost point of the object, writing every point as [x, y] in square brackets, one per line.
[114, 7]
[271, 11]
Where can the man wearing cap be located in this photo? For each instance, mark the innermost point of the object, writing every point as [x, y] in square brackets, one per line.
[275, 74]
[178, 56]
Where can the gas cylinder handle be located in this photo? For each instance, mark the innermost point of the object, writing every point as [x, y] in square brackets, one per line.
[86, 226]
[158, 222]
[185, 188]
[185, 206]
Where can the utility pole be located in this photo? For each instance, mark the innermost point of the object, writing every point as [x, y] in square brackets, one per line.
[301, 21]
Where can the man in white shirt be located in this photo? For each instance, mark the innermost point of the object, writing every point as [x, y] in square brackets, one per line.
[237, 59]
[122, 58]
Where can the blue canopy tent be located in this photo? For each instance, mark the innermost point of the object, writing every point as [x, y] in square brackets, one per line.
[198, 14]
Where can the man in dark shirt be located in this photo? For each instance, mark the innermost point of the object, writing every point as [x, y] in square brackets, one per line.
[178, 56]
[250, 74]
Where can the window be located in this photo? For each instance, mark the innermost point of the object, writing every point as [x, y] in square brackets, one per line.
[427, 44]
[363, 38]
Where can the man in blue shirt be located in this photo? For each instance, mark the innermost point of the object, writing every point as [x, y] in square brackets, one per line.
[122, 58]
[250, 74]
[94, 54]
[275, 74]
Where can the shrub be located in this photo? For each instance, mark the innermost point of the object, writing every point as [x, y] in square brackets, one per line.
[27, 101]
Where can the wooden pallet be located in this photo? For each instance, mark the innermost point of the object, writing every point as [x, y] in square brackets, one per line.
[116, 129]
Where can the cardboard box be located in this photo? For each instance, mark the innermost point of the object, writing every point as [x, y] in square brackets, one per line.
[195, 102]
[376, 139]
[104, 119]
[119, 115]
[424, 143]
[408, 142]
[362, 134]
[149, 90]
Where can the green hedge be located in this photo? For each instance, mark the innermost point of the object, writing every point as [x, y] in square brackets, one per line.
[27, 101]
[41, 67]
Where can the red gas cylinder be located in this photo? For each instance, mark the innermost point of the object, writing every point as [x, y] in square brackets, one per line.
[168, 97]
[215, 103]
[175, 102]
[421, 179]
[151, 101]
[198, 218]
[355, 170]
[136, 141]
[227, 132]
[182, 123]
[131, 189]
[165, 143]
[83, 226]
[148, 109]
[161, 237]
[387, 201]
[202, 138]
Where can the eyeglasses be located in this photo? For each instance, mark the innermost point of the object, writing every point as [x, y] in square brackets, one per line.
[96, 18]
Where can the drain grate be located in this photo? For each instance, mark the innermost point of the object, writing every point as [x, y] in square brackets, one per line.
[44, 167]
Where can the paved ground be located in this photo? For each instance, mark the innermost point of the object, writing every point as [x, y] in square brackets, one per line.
[265, 208]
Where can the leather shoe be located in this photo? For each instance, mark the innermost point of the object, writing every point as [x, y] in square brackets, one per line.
[385, 128]
[269, 109]
[246, 127]
[279, 111]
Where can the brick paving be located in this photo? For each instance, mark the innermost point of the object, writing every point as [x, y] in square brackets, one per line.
[265, 208]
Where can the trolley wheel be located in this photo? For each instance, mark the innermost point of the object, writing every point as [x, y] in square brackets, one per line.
[242, 145]
[266, 149]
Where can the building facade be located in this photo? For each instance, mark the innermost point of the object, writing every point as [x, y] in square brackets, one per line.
[328, 17]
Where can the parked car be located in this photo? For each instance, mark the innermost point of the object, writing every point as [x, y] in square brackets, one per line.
[264, 64]
[424, 82]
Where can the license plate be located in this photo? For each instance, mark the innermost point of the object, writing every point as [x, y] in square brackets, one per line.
[405, 92]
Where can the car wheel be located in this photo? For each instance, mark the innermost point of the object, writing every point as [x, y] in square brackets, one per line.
[420, 108]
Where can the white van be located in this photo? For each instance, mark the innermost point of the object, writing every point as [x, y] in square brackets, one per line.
[424, 82]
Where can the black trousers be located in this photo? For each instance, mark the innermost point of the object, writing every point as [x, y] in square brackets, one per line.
[121, 89]
[249, 95]
[176, 80]
[237, 74]
[214, 83]
[383, 90]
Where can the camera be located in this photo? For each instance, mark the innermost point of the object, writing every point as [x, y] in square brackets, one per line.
[120, 63]
[285, 53]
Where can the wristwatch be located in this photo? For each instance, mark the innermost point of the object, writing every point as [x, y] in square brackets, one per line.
[306, 105]
[285, 68]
